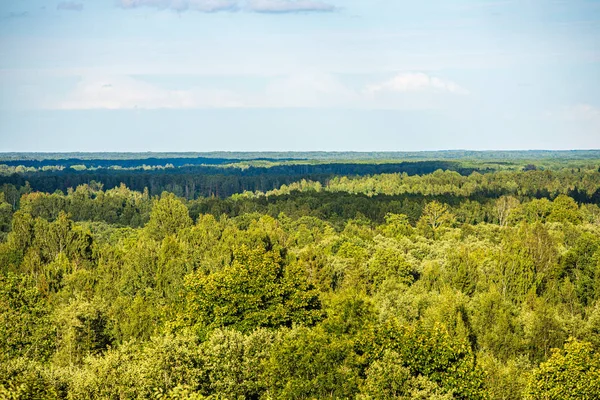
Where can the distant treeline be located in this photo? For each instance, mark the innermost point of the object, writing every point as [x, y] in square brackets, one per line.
[123, 163]
[197, 181]
[472, 199]
[319, 155]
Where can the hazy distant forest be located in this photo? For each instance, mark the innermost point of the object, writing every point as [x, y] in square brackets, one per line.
[451, 275]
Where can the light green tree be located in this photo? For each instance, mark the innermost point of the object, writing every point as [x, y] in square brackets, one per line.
[168, 216]
[569, 374]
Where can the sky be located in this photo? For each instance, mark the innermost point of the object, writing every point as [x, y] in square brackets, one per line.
[304, 75]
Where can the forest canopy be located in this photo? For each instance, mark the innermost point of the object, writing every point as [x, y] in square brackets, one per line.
[339, 279]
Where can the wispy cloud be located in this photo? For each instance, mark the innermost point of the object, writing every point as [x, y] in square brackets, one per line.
[22, 14]
[583, 113]
[582, 117]
[258, 6]
[309, 90]
[417, 82]
[123, 93]
[119, 92]
[304, 90]
[287, 6]
[207, 6]
[69, 6]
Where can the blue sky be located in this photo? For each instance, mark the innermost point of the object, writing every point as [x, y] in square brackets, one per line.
[204, 75]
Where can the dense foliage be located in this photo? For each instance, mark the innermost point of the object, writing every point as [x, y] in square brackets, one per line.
[390, 286]
[194, 181]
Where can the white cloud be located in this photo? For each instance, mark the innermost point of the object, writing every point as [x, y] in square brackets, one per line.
[416, 82]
